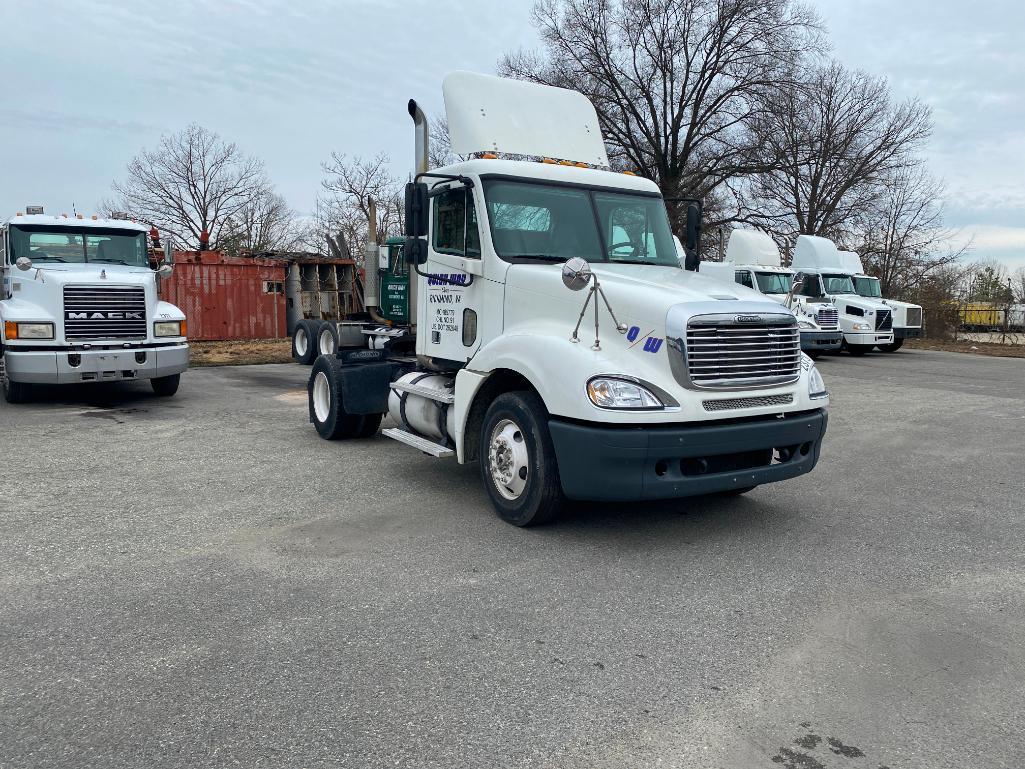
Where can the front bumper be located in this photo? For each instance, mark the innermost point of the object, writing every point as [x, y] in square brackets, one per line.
[868, 338]
[907, 332]
[633, 463]
[52, 367]
[821, 340]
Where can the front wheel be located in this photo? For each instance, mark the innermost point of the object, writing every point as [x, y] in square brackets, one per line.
[517, 460]
[813, 354]
[895, 345]
[858, 349]
[15, 392]
[166, 386]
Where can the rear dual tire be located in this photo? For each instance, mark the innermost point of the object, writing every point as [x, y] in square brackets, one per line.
[327, 406]
[304, 342]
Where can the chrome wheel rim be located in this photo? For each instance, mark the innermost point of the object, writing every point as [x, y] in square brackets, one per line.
[302, 342]
[327, 343]
[508, 459]
[321, 397]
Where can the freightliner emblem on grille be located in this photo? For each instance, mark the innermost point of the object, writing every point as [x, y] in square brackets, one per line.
[103, 315]
[747, 319]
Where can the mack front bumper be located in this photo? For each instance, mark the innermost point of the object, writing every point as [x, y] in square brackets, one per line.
[634, 463]
[69, 366]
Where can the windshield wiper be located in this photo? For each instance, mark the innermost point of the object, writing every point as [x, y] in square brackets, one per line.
[540, 257]
[48, 259]
[110, 261]
[638, 261]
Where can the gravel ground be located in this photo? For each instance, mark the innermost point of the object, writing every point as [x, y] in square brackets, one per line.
[203, 582]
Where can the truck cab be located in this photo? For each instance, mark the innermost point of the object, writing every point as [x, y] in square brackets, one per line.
[753, 260]
[79, 304]
[907, 317]
[824, 276]
[558, 343]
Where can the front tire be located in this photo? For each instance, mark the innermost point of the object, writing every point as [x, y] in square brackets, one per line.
[15, 392]
[858, 350]
[517, 460]
[813, 354]
[892, 347]
[166, 386]
[304, 342]
[327, 408]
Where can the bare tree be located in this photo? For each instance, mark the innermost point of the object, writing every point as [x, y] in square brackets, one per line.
[192, 182]
[345, 205]
[265, 223]
[829, 146]
[675, 82]
[901, 237]
[1018, 285]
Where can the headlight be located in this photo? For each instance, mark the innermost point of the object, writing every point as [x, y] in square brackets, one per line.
[805, 324]
[816, 387]
[611, 393]
[169, 328]
[862, 327]
[15, 330]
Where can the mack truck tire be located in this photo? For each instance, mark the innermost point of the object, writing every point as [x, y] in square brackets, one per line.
[517, 460]
[327, 408]
[327, 339]
[15, 392]
[304, 342]
[859, 349]
[166, 386]
[893, 347]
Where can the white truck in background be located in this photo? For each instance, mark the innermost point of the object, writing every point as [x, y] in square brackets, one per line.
[565, 361]
[907, 317]
[79, 304]
[753, 260]
[824, 276]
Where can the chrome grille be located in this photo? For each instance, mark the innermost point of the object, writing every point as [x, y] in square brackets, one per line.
[730, 354]
[913, 316]
[884, 321]
[748, 403]
[104, 312]
[828, 317]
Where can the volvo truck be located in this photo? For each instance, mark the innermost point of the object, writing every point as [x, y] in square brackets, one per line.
[907, 317]
[566, 358]
[823, 275]
[753, 260]
[79, 304]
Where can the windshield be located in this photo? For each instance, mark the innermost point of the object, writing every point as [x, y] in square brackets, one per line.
[773, 282]
[838, 284]
[77, 245]
[554, 223]
[867, 286]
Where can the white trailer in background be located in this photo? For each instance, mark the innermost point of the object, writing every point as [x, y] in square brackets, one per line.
[556, 340]
[753, 260]
[907, 317]
[824, 274]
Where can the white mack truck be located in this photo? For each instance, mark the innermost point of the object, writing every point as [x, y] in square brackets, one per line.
[824, 277]
[79, 304]
[753, 260]
[907, 317]
[566, 362]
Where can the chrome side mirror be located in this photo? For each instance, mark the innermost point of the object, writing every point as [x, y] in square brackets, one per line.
[576, 273]
[795, 286]
[23, 263]
[164, 271]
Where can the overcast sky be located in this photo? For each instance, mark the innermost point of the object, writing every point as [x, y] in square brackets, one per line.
[90, 83]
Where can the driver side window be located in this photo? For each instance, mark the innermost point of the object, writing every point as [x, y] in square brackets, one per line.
[455, 223]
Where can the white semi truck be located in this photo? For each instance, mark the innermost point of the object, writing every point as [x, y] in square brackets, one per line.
[566, 363]
[753, 260]
[907, 317]
[822, 271]
[79, 304]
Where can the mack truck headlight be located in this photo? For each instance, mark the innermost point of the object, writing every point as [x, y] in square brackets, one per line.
[862, 327]
[614, 393]
[169, 328]
[15, 330]
[816, 386]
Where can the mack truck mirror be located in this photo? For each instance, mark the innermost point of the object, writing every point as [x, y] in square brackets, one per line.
[693, 237]
[23, 263]
[576, 273]
[416, 209]
[164, 271]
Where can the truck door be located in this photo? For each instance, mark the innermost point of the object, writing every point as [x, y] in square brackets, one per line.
[451, 302]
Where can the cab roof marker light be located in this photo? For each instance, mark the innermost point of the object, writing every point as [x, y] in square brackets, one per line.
[629, 173]
[488, 156]
[549, 161]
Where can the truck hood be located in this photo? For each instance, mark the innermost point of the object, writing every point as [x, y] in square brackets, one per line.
[70, 274]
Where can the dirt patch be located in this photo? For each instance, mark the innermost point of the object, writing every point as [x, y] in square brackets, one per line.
[976, 348]
[242, 352]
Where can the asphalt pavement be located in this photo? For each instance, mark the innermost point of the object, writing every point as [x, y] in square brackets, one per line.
[201, 581]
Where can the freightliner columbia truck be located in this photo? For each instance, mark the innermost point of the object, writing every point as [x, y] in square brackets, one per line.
[79, 304]
[556, 341]
[753, 260]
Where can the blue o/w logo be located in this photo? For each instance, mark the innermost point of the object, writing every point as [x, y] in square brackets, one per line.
[651, 344]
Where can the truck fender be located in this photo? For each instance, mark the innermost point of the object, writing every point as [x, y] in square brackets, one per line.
[167, 311]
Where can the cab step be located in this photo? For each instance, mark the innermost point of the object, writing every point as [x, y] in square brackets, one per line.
[424, 392]
[417, 442]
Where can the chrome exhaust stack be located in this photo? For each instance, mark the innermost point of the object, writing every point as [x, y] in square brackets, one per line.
[422, 139]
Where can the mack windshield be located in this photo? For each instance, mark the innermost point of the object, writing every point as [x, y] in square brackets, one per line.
[838, 284]
[773, 282]
[539, 222]
[77, 245]
[867, 286]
